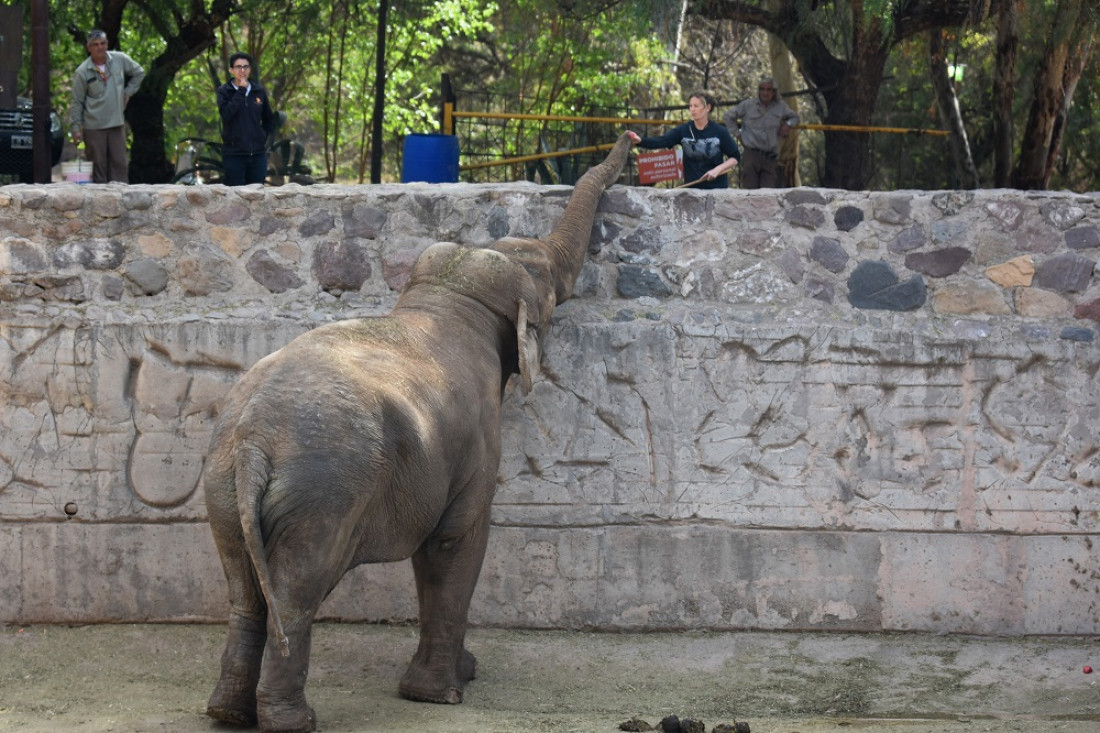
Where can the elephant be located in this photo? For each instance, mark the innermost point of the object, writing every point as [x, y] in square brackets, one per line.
[375, 440]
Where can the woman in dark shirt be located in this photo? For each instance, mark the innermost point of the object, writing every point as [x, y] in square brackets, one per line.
[705, 143]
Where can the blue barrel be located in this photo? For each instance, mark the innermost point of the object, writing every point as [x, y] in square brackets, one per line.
[431, 158]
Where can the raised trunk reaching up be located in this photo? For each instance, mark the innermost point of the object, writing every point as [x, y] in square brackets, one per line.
[556, 261]
[569, 239]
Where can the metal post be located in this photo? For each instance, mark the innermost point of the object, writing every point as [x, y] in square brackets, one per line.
[40, 89]
[447, 106]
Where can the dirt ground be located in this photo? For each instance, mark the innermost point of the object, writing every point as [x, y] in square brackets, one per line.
[157, 678]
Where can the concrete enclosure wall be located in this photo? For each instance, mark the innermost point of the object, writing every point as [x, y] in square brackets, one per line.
[803, 409]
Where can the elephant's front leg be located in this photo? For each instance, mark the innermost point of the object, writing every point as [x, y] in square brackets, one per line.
[446, 570]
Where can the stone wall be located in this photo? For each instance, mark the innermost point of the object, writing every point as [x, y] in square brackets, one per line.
[804, 409]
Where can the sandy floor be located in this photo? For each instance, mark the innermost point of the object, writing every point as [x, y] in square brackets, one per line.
[157, 678]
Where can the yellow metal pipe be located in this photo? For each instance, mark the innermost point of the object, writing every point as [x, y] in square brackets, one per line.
[563, 118]
[540, 156]
[450, 113]
[859, 128]
[631, 121]
[448, 118]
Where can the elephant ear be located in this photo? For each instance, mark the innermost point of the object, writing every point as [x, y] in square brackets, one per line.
[527, 341]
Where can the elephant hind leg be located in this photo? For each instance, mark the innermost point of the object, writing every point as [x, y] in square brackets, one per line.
[280, 696]
[234, 698]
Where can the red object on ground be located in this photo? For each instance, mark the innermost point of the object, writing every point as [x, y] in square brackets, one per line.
[1087, 669]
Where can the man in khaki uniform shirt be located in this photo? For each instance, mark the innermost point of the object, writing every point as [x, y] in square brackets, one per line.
[764, 120]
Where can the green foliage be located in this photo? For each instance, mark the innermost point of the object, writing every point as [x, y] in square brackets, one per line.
[600, 63]
[604, 57]
[907, 100]
[317, 60]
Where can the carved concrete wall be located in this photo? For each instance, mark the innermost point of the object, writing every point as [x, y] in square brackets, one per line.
[803, 409]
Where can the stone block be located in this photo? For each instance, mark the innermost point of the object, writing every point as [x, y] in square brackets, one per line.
[829, 254]
[679, 577]
[940, 262]
[848, 218]
[908, 239]
[1090, 309]
[1008, 214]
[972, 299]
[875, 285]
[1065, 273]
[1017, 272]
[1037, 303]
[1085, 237]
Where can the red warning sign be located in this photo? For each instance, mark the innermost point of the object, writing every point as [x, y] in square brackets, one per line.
[662, 165]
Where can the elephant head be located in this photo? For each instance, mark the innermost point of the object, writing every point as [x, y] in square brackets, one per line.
[497, 282]
[523, 279]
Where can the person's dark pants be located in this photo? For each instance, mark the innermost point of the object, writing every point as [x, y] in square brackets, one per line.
[240, 170]
[758, 169]
[106, 149]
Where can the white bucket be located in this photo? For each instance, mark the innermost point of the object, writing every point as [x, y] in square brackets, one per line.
[77, 171]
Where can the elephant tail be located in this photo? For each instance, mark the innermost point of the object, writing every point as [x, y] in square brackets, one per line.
[569, 239]
[251, 475]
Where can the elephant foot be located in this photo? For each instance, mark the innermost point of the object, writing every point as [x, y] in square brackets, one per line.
[233, 716]
[287, 718]
[233, 707]
[421, 684]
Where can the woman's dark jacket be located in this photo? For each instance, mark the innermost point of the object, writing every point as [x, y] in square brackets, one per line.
[247, 119]
[703, 150]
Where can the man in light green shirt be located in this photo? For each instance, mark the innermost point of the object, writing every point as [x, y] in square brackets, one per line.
[102, 86]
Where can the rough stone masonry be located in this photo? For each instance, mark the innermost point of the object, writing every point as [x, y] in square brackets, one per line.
[801, 409]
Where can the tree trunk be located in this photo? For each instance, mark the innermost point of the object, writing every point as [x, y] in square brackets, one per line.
[1032, 168]
[1004, 91]
[379, 94]
[783, 74]
[850, 100]
[966, 174]
[145, 113]
[1075, 66]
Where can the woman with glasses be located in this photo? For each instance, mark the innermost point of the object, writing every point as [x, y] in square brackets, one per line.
[247, 120]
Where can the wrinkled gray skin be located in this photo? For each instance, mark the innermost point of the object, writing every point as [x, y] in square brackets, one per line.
[373, 440]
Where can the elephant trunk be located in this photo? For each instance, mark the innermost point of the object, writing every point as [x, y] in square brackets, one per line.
[568, 242]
